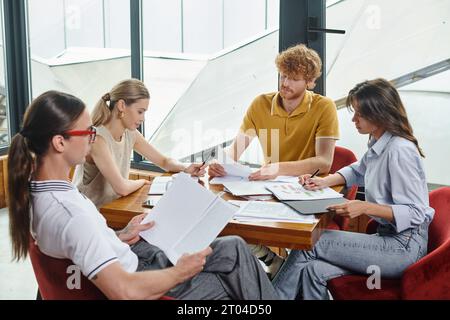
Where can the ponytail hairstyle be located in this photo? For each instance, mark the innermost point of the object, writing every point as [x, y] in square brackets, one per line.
[129, 91]
[379, 102]
[50, 114]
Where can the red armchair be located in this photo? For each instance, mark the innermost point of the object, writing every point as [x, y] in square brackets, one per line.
[51, 275]
[428, 278]
[342, 158]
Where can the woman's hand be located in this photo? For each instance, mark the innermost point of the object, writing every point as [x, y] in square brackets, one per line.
[315, 183]
[191, 264]
[196, 169]
[351, 209]
[130, 234]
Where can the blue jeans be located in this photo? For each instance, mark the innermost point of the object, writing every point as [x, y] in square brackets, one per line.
[305, 273]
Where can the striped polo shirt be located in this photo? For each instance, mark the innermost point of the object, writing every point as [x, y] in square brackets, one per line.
[67, 225]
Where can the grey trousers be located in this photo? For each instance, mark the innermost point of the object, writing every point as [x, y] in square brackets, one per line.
[305, 273]
[230, 272]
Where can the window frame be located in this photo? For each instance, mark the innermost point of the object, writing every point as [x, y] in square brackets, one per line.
[17, 55]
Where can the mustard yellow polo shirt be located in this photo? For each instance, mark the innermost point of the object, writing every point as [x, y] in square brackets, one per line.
[290, 137]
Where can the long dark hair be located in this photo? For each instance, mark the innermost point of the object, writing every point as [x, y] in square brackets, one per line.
[49, 114]
[379, 102]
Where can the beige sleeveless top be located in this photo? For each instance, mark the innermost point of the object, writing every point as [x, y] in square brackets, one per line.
[89, 179]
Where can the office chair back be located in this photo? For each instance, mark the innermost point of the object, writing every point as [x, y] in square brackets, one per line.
[342, 158]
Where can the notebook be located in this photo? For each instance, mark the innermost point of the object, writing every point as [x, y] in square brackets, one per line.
[314, 206]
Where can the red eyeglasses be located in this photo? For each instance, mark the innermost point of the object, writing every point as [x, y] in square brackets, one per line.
[92, 133]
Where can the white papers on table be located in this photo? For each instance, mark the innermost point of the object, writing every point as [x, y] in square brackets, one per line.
[268, 211]
[228, 178]
[187, 218]
[258, 198]
[160, 185]
[249, 188]
[294, 191]
[222, 180]
[246, 188]
[287, 179]
[231, 167]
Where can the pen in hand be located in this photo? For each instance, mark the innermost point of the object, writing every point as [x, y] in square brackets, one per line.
[211, 156]
[312, 176]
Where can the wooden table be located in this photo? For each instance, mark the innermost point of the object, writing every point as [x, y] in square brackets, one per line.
[276, 234]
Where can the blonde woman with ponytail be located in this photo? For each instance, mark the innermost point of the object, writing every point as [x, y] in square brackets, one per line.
[117, 115]
[57, 134]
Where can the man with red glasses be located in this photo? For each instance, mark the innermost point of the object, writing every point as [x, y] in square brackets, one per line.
[91, 132]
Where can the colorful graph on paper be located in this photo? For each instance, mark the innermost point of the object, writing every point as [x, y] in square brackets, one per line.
[293, 191]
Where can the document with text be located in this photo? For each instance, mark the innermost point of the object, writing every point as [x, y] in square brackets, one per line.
[294, 191]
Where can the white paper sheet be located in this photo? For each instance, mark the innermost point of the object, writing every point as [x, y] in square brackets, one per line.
[268, 211]
[160, 185]
[247, 188]
[294, 191]
[228, 178]
[231, 167]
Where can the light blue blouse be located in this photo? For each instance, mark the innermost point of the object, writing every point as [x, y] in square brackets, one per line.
[392, 173]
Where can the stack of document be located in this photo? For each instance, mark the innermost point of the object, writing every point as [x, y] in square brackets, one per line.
[227, 178]
[252, 188]
[246, 188]
[187, 218]
[294, 191]
[268, 211]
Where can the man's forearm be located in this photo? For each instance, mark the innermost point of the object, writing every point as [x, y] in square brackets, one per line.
[297, 168]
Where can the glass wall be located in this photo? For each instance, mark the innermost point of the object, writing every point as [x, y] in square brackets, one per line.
[82, 48]
[4, 127]
[399, 41]
[218, 56]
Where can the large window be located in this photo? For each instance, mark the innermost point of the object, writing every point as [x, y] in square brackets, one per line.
[82, 47]
[399, 41]
[4, 127]
[205, 61]
[213, 59]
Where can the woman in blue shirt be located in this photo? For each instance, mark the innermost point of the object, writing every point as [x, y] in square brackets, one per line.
[396, 197]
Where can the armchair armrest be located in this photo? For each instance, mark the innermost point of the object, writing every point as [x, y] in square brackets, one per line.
[429, 278]
[371, 227]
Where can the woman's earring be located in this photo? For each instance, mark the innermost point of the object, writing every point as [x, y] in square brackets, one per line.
[121, 114]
